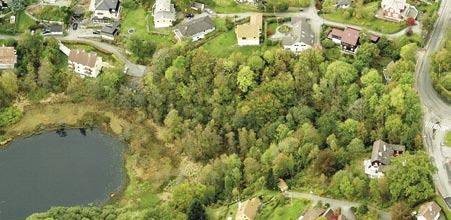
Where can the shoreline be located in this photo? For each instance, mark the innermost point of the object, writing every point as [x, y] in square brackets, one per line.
[12, 134]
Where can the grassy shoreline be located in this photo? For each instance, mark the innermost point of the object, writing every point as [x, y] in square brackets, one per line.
[43, 117]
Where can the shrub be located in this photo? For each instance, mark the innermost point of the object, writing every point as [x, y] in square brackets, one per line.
[9, 116]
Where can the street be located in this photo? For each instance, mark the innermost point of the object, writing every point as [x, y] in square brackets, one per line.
[434, 108]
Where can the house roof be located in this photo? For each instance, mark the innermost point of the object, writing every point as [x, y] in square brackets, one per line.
[82, 57]
[429, 210]
[336, 33]
[110, 29]
[106, 4]
[413, 12]
[247, 31]
[301, 32]
[196, 26]
[197, 5]
[164, 10]
[7, 55]
[257, 20]
[313, 214]
[397, 5]
[282, 185]
[249, 208]
[383, 152]
[251, 29]
[163, 5]
[350, 36]
[55, 27]
[343, 2]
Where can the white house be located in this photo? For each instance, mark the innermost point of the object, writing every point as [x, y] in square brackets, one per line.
[249, 34]
[105, 9]
[429, 211]
[301, 36]
[195, 29]
[8, 57]
[84, 63]
[397, 10]
[163, 13]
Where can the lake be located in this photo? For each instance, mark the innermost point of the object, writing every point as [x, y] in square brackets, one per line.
[75, 168]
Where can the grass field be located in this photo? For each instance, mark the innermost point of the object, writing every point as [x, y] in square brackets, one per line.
[374, 24]
[49, 13]
[230, 6]
[23, 22]
[226, 43]
[448, 139]
[136, 18]
[291, 210]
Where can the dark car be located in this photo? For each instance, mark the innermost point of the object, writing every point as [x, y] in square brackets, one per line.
[75, 26]
[96, 32]
[189, 15]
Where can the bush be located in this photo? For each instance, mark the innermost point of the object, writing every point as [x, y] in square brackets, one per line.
[92, 119]
[9, 116]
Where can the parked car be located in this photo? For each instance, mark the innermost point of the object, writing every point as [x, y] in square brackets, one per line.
[209, 11]
[189, 15]
[96, 32]
[75, 26]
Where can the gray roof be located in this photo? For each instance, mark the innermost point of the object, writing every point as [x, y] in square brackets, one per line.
[301, 32]
[55, 27]
[106, 4]
[343, 2]
[196, 26]
[383, 152]
[413, 12]
[110, 29]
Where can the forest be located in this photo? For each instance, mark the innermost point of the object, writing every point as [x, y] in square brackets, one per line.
[231, 127]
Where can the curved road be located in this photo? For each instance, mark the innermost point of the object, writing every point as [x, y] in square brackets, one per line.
[436, 111]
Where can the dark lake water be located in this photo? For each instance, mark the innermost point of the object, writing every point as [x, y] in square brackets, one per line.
[48, 170]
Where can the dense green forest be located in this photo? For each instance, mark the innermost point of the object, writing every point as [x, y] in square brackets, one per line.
[235, 125]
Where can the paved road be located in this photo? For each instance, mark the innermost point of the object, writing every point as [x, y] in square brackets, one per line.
[334, 203]
[434, 108]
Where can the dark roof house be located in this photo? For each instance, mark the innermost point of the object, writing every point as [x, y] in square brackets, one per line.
[110, 31]
[54, 29]
[383, 152]
[301, 32]
[107, 5]
[195, 28]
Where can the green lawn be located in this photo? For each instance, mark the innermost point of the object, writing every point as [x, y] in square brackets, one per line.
[49, 13]
[230, 6]
[444, 207]
[23, 22]
[225, 44]
[288, 210]
[136, 18]
[221, 212]
[448, 139]
[374, 23]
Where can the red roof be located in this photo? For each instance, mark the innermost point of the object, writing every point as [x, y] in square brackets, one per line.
[350, 36]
